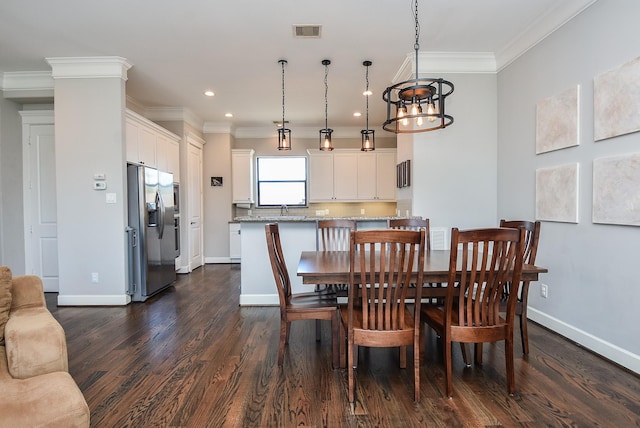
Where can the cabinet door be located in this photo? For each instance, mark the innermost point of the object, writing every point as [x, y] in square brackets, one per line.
[242, 176]
[173, 159]
[320, 177]
[345, 176]
[162, 153]
[147, 147]
[386, 176]
[367, 176]
[131, 136]
[234, 241]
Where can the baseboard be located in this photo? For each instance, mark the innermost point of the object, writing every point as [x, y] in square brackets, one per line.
[259, 300]
[90, 300]
[220, 260]
[608, 350]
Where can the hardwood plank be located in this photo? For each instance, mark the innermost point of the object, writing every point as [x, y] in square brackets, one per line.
[191, 357]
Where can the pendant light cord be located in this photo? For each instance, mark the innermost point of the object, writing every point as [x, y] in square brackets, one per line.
[283, 63]
[416, 46]
[367, 99]
[326, 91]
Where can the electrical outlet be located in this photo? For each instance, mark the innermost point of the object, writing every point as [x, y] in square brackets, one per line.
[362, 211]
[94, 277]
[544, 290]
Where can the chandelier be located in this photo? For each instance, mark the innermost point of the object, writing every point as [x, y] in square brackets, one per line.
[368, 135]
[417, 105]
[325, 134]
[284, 134]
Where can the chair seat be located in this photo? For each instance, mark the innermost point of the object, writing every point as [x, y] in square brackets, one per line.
[388, 338]
[308, 301]
[434, 316]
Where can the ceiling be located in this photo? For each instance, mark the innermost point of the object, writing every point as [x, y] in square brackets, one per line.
[179, 49]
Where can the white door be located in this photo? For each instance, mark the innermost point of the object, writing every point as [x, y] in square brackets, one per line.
[41, 228]
[194, 168]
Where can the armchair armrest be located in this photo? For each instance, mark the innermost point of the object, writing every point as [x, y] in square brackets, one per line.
[35, 342]
[27, 292]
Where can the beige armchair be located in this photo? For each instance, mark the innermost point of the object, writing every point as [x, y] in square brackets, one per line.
[37, 389]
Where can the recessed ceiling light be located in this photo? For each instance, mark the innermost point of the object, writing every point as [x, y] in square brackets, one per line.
[209, 93]
[357, 114]
[228, 115]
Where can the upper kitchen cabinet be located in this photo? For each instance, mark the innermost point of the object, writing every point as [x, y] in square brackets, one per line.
[242, 176]
[151, 145]
[351, 175]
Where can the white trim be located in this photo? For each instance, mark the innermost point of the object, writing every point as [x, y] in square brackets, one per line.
[30, 118]
[89, 67]
[26, 81]
[259, 300]
[221, 260]
[445, 62]
[92, 300]
[167, 114]
[608, 350]
[546, 24]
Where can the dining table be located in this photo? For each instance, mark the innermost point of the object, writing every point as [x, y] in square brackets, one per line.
[332, 267]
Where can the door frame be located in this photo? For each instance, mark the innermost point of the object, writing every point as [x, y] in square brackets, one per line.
[30, 118]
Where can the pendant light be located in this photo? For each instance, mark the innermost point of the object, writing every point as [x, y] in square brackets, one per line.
[284, 134]
[368, 135]
[417, 105]
[325, 134]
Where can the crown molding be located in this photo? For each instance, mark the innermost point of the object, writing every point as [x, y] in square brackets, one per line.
[168, 114]
[26, 80]
[546, 24]
[445, 62]
[89, 67]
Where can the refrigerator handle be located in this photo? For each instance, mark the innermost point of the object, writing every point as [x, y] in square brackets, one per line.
[161, 220]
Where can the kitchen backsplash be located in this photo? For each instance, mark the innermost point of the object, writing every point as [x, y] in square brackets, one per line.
[333, 209]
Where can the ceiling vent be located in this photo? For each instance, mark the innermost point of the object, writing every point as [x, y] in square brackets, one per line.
[307, 31]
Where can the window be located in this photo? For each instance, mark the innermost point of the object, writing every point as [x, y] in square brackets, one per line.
[282, 181]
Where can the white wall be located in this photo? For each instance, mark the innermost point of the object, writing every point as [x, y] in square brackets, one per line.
[216, 162]
[455, 169]
[89, 118]
[593, 285]
[11, 218]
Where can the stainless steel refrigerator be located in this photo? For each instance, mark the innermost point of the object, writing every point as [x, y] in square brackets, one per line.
[152, 249]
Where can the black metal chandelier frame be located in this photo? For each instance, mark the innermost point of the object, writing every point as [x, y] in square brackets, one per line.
[325, 134]
[417, 105]
[284, 134]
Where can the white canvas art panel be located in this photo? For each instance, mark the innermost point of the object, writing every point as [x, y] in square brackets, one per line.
[557, 193]
[616, 190]
[557, 121]
[616, 101]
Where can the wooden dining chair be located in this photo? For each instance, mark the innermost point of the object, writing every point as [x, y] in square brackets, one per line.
[412, 224]
[299, 306]
[334, 235]
[381, 265]
[532, 235]
[488, 259]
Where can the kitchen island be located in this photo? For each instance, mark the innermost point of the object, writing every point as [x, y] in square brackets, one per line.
[297, 234]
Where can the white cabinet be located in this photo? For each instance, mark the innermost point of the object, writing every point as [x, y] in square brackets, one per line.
[151, 145]
[234, 242]
[242, 176]
[320, 177]
[352, 175]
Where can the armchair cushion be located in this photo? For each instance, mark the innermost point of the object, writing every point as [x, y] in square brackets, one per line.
[5, 299]
[35, 343]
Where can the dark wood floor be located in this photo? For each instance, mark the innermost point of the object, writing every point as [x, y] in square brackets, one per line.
[191, 357]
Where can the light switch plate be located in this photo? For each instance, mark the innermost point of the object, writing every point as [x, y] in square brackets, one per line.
[111, 198]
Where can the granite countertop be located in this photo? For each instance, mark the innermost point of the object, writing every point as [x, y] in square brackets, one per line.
[303, 218]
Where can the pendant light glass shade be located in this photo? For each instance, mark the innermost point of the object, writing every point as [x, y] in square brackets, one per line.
[368, 135]
[325, 134]
[417, 105]
[284, 134]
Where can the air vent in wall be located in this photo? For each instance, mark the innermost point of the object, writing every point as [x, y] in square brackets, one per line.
[307, 31]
